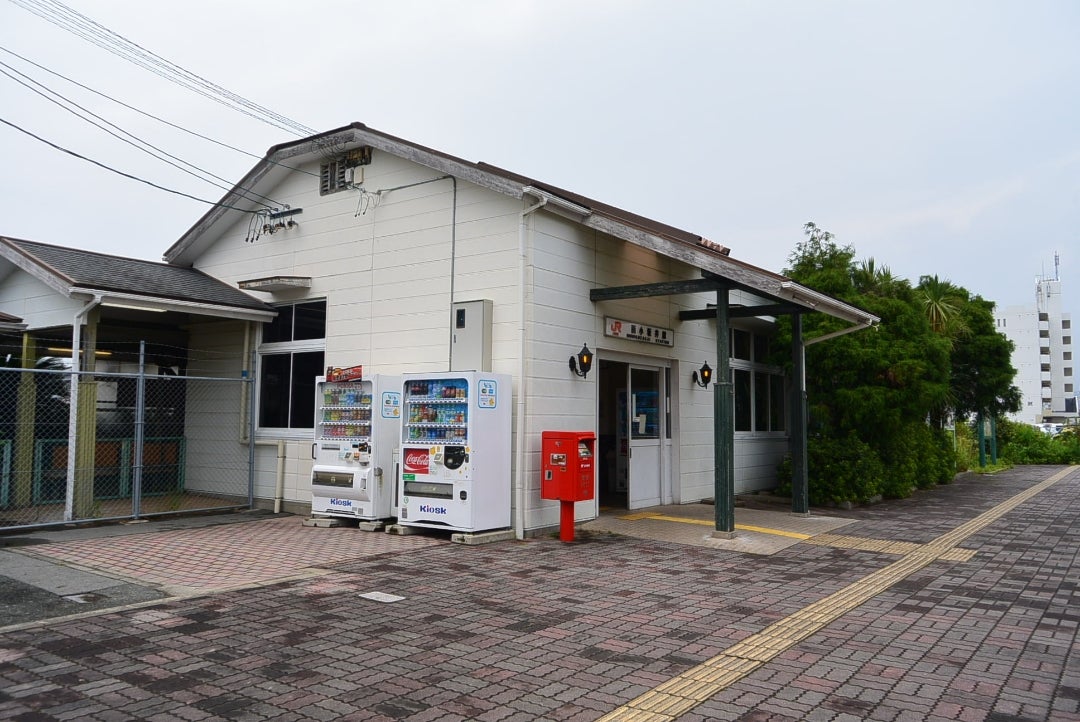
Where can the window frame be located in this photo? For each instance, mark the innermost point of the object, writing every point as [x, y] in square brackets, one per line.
[290, 348]
[760, 392]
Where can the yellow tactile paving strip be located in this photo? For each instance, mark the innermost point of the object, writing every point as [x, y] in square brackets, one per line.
[689, 689]
[711, 523]
[884, 546]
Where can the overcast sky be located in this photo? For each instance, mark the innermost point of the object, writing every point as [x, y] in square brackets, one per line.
[935, 137]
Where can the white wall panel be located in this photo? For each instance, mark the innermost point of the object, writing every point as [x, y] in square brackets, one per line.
[38, 305]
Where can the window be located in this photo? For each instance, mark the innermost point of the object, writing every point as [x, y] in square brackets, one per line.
[1066, 340]
[332, 177]
[1066, 355]
[740, 344]
[777, 410]
[741, 380]
[758, 388]
[1068, 388]
[290, 357]
[1066, 323]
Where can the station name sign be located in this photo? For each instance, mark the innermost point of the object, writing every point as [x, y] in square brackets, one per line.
[618, 328]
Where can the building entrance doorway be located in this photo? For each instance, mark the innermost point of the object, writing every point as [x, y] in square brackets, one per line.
[634, 438]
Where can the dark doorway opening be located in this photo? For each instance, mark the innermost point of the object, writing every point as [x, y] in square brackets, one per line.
[613, 465]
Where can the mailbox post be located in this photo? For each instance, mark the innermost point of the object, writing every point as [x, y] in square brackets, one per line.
[567, 473]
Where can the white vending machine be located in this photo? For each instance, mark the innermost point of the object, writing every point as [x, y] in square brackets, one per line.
[455, 451]
[357, 426]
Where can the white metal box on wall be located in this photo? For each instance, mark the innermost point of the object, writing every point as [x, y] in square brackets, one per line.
[470, 325]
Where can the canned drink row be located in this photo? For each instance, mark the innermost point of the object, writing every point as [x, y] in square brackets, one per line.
[443, 435]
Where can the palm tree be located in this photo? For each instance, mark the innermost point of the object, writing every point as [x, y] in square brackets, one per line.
[867, 277]
[942, 300]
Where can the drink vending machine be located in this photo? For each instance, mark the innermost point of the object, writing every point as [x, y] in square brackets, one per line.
[356, 435]
[455, 451]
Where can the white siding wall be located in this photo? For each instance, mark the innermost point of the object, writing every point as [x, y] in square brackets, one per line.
[569, 260]
[385, 274]
[215, 413]
[37, 304]
[385, 271]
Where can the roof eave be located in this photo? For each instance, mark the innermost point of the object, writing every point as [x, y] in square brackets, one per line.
[155, 304]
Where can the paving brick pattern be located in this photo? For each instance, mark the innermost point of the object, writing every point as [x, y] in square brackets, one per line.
[225, 556]
[540, 630]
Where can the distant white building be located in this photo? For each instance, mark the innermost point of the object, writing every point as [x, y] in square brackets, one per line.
[1043, 354]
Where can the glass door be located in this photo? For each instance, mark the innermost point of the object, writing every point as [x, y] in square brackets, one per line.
[645, 418]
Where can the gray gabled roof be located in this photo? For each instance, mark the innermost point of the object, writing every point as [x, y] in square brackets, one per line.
[71, 271]
[639, 230]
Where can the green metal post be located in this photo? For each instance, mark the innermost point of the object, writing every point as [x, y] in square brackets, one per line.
[993, 440]
[981, 435]
[723, 421]
[800, 478]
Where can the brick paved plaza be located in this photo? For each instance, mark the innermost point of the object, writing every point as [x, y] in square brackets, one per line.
[978, 624]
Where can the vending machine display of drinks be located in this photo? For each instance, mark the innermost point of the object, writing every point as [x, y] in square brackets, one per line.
[455, 451]
[356, 435]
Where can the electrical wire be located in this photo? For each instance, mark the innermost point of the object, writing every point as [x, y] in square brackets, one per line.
[92, 31]
[149, 115]
[82, 26]
[149, 149]
[127, 175]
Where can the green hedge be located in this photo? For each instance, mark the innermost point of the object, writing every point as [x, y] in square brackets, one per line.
[851, 470]
[1024, 444]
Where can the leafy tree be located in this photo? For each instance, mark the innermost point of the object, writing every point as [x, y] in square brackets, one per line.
[935, 351]
[982, 371]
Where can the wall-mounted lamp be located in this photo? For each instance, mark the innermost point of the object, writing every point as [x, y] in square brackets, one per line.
[703, 375]
[581, 363]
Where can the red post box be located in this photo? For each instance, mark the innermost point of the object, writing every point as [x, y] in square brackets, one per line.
[567, 473]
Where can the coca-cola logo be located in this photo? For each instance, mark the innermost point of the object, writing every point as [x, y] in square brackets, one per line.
[416, 460]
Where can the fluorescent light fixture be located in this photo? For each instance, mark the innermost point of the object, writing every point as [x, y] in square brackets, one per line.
[112, 304]
[57, 349]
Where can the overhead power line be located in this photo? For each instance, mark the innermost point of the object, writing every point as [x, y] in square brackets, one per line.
[143, 112]
[125, 105]
[126, 175]
[135, 141]
[80, 25]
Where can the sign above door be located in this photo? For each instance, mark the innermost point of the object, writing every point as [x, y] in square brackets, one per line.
[619, 328]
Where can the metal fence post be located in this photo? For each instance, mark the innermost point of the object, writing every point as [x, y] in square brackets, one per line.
[140, 434]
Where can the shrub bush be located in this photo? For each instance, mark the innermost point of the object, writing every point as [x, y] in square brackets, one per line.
[1024, 444]
[841, 470]
[967, 452]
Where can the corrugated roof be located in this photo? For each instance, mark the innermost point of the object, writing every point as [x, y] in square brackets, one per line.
[116, 274]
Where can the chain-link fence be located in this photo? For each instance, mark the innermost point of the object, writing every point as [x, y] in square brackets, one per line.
[80, 446]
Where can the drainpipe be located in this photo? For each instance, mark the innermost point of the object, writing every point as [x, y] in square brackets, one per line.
[524, 367]
[73, 397]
